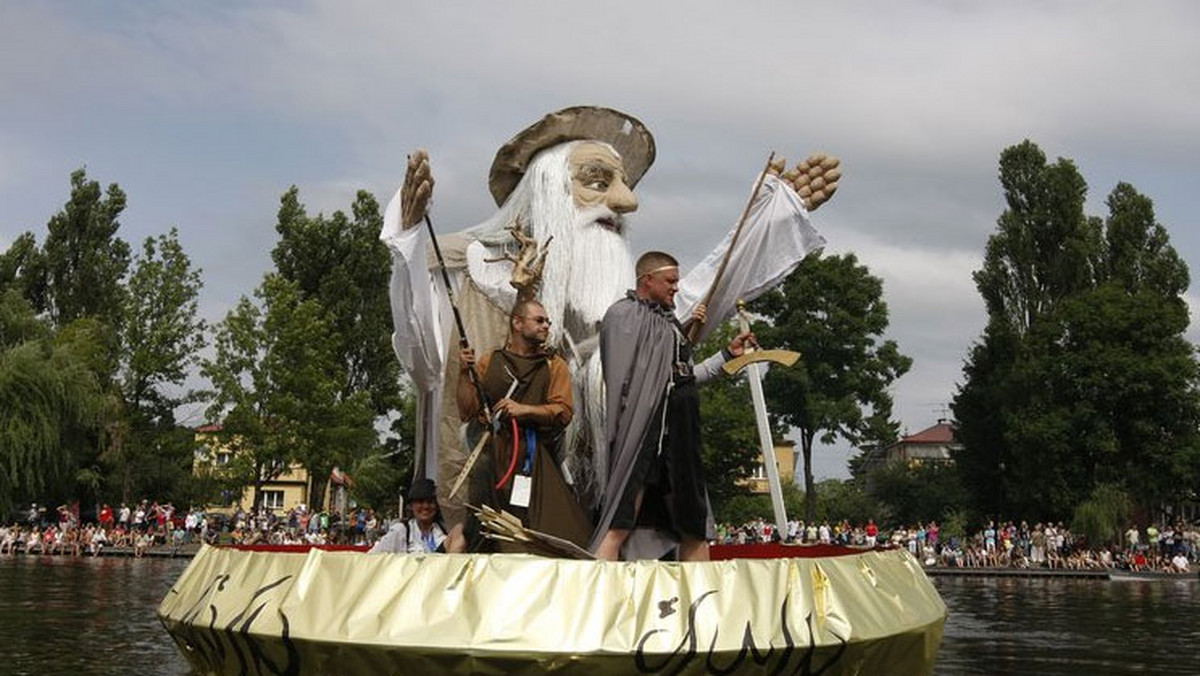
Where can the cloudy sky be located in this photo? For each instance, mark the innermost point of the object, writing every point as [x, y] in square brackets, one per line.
[205, 113]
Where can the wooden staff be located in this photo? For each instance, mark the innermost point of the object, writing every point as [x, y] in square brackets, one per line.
[694, 327]
[462, 332]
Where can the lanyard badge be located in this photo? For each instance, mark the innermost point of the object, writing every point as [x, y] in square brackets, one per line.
[522, 488]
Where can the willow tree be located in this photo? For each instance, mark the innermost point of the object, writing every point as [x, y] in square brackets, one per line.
[48, 393]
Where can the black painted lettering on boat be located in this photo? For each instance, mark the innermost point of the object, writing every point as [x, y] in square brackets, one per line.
[214, 646]
[803, 665]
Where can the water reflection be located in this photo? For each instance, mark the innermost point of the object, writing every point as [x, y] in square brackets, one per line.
[1052, 626]
[93, 617]
[86, 616]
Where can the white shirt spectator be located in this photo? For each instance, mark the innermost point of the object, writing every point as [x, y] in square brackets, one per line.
[1180, 563]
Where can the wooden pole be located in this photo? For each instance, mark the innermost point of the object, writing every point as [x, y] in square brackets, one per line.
[694, 328]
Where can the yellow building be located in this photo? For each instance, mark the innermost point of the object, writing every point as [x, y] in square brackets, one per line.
[785, 461]
[282, 493]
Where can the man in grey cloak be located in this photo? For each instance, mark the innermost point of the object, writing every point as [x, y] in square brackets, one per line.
[656, 495]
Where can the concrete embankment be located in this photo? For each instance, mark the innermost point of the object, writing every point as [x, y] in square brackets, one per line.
[162, 551]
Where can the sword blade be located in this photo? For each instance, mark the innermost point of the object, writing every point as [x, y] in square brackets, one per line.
[754, 375]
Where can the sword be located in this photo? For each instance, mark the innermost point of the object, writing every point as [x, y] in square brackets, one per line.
[753, 365]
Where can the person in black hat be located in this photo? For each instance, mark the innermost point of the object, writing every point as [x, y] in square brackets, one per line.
[423, 533]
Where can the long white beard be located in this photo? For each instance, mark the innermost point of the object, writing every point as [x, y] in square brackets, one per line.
[592, 270]
[588, 268]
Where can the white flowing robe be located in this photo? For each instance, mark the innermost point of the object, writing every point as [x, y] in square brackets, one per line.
[777, 235]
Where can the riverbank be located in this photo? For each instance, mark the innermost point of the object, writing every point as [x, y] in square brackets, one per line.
[162, 552]
[1091, 574]
[189, 550]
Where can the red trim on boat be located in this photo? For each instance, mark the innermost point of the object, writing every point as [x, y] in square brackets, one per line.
[775, 550]
[299, 549]
[771, 550]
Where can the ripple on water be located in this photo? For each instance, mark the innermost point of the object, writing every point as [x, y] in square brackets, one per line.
[93, 617]
[1053, 626]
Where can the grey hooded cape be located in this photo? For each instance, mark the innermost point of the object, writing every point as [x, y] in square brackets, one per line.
[637, 347]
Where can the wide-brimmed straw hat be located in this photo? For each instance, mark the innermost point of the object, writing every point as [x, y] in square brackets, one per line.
[624, 132]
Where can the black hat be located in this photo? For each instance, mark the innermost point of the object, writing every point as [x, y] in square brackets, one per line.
[423, 489]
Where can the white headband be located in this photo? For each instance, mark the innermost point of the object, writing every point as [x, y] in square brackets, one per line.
[658, 269]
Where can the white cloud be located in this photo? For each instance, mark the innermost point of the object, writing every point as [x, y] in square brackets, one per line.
[206, 113]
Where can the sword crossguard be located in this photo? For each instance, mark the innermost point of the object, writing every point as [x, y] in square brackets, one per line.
[782, 357]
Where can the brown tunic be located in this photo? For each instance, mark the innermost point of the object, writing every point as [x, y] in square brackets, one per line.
[544, 382]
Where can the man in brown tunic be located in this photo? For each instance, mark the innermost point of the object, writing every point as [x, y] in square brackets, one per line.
[523, 478]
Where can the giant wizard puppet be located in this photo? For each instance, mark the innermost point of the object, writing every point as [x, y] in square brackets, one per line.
[567, 184]
[569, 177]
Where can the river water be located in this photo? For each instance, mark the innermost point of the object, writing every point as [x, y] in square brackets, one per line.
[93, 617]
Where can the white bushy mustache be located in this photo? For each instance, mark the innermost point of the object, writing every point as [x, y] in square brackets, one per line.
[603, 217]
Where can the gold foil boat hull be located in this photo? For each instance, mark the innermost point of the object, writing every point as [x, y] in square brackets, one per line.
[323, 612]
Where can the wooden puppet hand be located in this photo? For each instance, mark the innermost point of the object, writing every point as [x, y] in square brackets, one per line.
[417, 189]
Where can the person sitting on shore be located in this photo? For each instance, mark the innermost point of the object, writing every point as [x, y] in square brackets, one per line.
[1180, 564]
[120, 536]
[52, 541]
[1053, 560]
[1138, 563]
[34, 542]
[8, 545]
[140, 544]
[97, 542]
[424, 532]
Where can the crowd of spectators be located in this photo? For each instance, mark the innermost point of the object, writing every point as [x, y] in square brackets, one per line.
[1172, 548]
[146, 526]
[149, 526]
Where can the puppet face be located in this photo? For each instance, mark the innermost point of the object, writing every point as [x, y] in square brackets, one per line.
[598, 180]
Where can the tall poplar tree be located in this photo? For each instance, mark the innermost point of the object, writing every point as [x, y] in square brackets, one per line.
[1082, 375]
[84, 260]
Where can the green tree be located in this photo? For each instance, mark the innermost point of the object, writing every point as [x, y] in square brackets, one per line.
[339, 262]
[1103, 517]
[84, 262]
[1082, 375]
[917, 493]
[838, 500]
[831, 310]
[48, 396]
[162, 338]
[22, 268]
[277, 381]
[75, 279]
